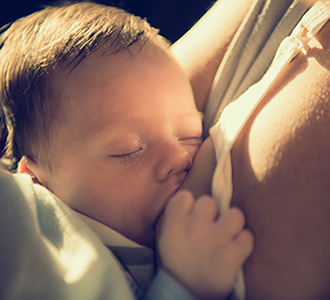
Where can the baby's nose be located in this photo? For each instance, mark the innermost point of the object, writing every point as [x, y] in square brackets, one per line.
[173, 159]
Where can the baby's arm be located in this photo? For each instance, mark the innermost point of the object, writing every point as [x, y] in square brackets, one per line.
[200, 249]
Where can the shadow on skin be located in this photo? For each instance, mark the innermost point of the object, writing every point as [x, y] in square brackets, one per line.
[281, 168]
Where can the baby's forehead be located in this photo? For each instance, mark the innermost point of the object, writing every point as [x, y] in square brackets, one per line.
[102, 72]
[85, 73]
[101, 65]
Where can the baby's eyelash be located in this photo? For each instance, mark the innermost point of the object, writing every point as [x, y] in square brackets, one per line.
[193, 140]
[128, 157]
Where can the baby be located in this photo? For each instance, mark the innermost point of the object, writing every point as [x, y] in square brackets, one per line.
[99, 111]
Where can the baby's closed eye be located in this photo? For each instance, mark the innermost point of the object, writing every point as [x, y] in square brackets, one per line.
[128, 157]
[195, 140]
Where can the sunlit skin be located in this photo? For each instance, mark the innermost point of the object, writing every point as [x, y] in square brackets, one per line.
[281, 171]
[281, 177]
[129, 135]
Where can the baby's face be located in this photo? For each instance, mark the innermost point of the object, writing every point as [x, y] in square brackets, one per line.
[130, 133]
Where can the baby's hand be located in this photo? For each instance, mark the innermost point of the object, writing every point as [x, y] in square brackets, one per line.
[202, 250]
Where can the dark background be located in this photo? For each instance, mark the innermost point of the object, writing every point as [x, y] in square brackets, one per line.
[172, 17]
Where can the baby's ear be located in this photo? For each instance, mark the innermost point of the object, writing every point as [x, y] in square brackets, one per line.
[29, 166]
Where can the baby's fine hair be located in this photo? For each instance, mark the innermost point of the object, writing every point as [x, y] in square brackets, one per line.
[36, 47]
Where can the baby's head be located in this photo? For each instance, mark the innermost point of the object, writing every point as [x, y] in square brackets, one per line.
[100, 112]
[38, 47]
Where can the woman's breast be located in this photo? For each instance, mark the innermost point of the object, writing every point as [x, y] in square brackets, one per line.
[281, 178]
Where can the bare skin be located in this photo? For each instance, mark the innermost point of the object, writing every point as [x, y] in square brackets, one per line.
[281, 171]
[281, 181]
[200, 53]
[199, 179]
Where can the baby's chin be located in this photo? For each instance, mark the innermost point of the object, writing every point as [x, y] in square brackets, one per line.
[147, 239]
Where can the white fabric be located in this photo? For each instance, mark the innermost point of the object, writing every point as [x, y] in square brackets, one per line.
[47, 252]
[139, 260]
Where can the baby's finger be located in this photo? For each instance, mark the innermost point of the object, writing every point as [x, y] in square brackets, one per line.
[245, 243]
[232, 221]
[206, 209]
[181, 204]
